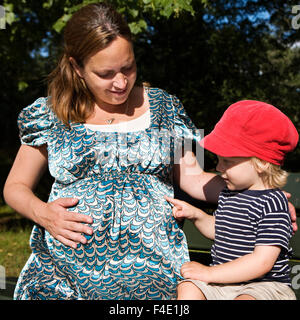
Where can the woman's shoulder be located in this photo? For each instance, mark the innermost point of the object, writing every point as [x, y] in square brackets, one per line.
[159, 93]
[35, 122]
[166, 100]
[39, 108]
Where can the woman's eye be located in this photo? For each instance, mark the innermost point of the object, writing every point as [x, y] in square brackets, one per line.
[127, 69]
[104, 75]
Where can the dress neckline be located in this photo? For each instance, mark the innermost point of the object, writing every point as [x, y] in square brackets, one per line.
[83, 127]
[118, 125]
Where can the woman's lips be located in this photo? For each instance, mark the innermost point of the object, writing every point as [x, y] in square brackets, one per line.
[119, 93]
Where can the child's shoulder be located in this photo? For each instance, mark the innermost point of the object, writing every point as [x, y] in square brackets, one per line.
[276, 201]
[272, 200]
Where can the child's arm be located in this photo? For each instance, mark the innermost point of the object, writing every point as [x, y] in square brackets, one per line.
[204, 222]
[245, 268]
[191, 178]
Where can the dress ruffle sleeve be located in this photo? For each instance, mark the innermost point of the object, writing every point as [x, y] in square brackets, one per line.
[183, 126]
[35, 123]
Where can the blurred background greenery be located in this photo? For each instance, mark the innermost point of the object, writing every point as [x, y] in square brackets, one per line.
[208, 53]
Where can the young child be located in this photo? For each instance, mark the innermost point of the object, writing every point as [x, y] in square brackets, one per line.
[251, 227]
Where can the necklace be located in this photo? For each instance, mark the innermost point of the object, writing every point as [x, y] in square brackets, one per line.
[111, 120]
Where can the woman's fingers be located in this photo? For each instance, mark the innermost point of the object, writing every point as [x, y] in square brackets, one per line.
[70, 215]
[66, 226]
[67, 242]
[66, 202]
[78, 217]
[70, 237]
[78, 227]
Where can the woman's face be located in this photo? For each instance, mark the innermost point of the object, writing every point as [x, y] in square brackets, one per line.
[110, 74]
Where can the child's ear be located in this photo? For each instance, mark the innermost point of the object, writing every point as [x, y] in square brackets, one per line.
[260, 165]
[263, 166]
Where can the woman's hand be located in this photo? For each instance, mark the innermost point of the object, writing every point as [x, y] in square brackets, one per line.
[65, 226]
[292, 212]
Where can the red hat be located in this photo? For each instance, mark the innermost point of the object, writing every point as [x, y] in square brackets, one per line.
[252, 129]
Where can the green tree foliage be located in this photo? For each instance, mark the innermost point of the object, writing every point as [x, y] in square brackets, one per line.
[225, 52]
[209, 53]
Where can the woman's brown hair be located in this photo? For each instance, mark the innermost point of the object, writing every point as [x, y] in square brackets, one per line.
[90, 29]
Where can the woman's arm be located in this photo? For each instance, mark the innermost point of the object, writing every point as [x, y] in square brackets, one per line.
[245, 268]
[194, 181]
[28, 168]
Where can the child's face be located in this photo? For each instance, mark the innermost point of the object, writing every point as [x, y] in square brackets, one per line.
[239, 173]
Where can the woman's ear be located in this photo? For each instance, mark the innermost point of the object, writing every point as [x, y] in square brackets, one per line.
[76, 67]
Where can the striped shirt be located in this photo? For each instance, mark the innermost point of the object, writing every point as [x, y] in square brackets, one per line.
[248, 218]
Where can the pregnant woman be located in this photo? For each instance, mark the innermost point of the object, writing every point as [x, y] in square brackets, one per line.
[106, 231]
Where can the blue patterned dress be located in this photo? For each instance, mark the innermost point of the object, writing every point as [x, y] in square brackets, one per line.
[120, 179]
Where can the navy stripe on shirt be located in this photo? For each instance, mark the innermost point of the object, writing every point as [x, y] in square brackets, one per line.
[248, 218]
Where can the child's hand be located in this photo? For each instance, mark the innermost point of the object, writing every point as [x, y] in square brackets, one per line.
[196, 271]
[182, 209]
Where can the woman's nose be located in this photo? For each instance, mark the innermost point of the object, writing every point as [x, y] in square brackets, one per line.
[120, 81]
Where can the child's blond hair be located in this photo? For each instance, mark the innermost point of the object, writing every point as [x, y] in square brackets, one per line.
[272, 175]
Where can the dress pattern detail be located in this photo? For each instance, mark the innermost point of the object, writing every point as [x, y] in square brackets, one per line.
[120, 179]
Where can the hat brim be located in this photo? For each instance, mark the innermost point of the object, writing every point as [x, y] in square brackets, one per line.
[220, 146]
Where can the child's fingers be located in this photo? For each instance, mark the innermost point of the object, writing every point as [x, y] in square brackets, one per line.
[177, 214]
[174, 211]
[176, 202]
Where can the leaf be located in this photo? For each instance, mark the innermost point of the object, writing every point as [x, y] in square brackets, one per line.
[134, 13]
[48, 4]
[9, 7]
[22, 85]
[167, 9]
[137, 27]
[61, 22]
[9, 17]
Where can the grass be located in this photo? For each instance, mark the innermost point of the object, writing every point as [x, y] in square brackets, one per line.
[14, 241]
[14, 250]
